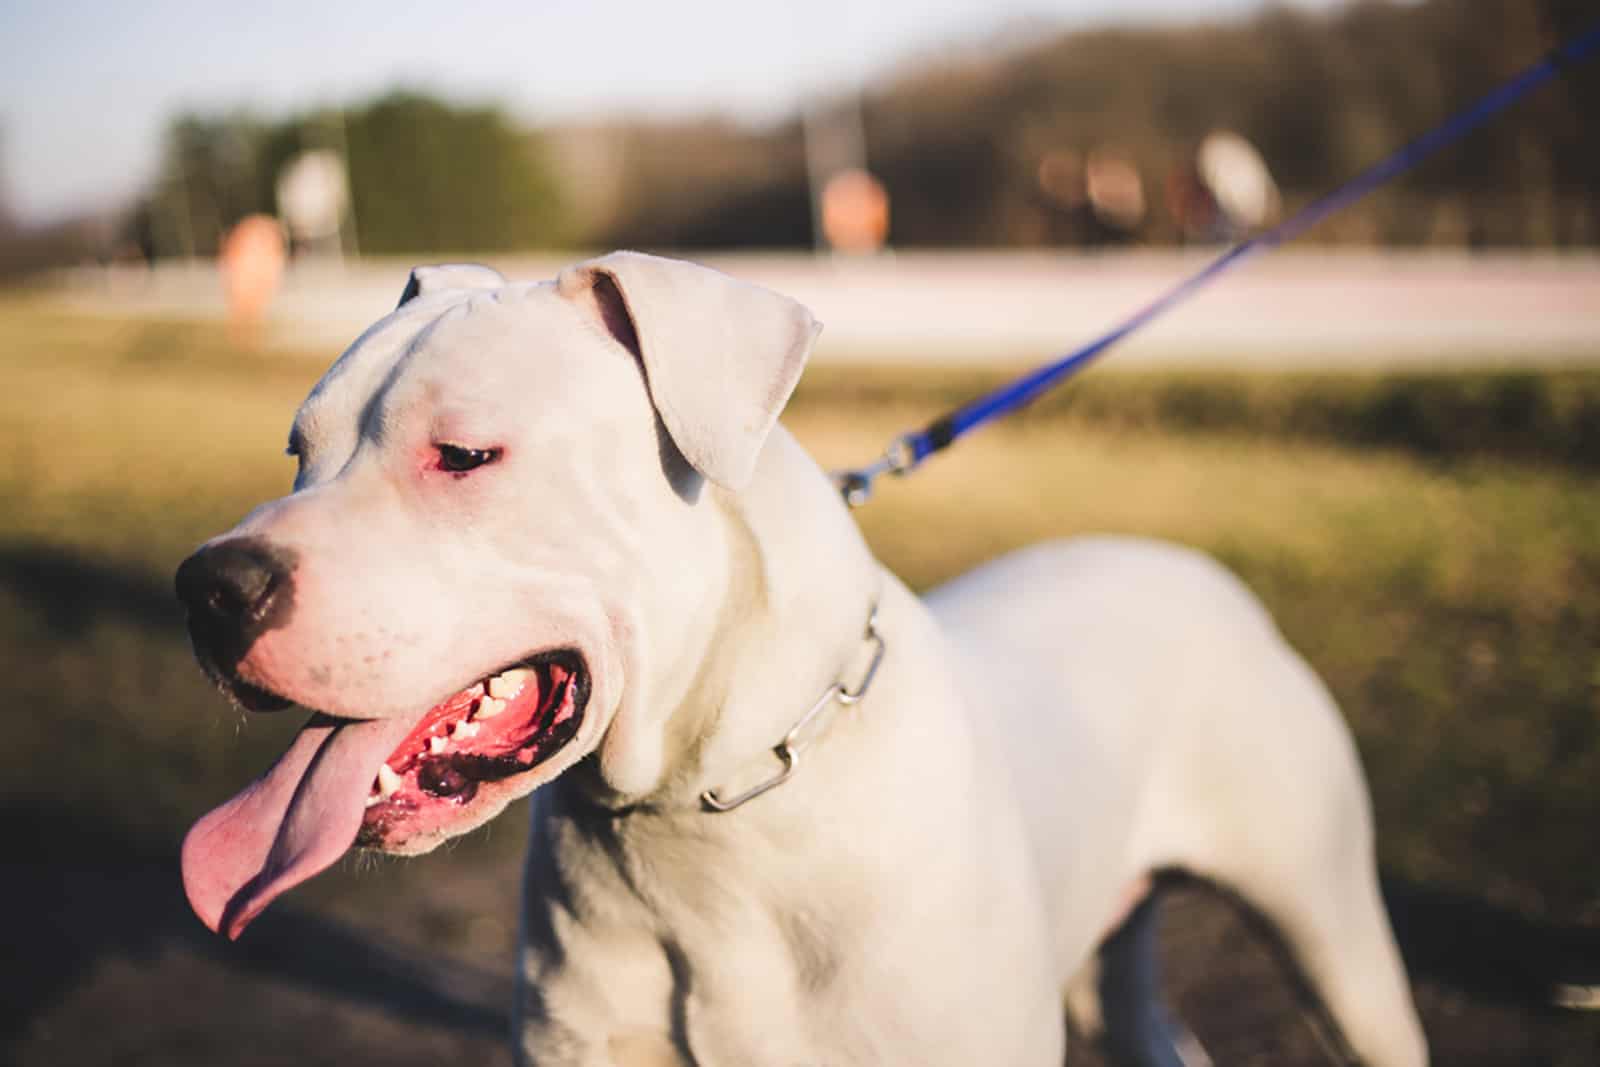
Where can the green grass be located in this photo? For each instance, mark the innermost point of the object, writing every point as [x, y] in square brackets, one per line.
[1548, 417]
[1446, 584]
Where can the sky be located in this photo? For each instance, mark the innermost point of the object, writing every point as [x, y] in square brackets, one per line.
[86, 88]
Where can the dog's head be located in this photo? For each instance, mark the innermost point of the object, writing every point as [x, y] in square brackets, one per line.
[496, 484]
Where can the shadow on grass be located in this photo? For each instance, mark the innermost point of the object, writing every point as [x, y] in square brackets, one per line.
[108, 903]
[70, 591]
[1490, 952]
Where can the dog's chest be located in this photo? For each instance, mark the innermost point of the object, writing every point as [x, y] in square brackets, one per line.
[680, 937]
[693, 942]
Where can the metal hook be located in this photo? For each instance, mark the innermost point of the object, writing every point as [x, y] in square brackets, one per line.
[899, 458]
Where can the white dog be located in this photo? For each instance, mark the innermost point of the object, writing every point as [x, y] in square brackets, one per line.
[549, 533]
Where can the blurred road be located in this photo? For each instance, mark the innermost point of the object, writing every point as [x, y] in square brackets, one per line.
[1292, 308]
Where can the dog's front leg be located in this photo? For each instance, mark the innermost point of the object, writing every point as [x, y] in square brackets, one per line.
[622, 1002]
[595, 988]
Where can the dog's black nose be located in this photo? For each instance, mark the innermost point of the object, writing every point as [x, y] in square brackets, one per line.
[234, 590]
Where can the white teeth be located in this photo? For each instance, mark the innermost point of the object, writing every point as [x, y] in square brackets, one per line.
[437, 745]
[507, 685]
[373, 799]
[464, 730]
[489, 707]
[388, 780]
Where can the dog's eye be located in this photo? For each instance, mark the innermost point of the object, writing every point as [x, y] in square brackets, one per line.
[457, 460]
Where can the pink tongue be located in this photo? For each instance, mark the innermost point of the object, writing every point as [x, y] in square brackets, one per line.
[289, 824]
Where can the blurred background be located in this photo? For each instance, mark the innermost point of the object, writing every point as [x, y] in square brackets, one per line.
[1390, 429]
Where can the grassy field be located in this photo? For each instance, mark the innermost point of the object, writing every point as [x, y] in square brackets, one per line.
[1431, 543]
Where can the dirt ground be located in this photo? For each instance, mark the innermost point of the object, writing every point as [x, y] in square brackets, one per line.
[405, 966]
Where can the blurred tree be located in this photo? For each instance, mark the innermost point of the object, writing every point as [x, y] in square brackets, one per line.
[959, 142]
[706, 184]
[206, 183]
[8, 220]
[1575, 140]
[426, 177]
[959, 139]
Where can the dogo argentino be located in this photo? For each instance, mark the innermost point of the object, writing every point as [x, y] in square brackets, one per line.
[550, 535]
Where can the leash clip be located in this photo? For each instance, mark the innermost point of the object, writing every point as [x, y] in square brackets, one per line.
[899, 458]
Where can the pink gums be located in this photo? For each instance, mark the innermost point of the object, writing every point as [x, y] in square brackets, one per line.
[435, 785]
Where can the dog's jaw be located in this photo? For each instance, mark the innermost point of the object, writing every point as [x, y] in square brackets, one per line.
[399, 784]
[468, 757]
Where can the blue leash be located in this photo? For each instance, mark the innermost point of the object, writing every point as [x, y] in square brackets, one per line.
[908, 451]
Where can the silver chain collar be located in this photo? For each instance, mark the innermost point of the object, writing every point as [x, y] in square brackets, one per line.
[809, 726]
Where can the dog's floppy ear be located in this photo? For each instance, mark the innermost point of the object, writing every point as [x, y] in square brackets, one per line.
[426, 280]
[720, 356]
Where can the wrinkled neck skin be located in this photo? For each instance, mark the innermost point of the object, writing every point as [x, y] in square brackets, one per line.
[772, 597]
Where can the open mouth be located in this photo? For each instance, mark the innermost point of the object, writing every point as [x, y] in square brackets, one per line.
[397, 784]
[499, 727]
